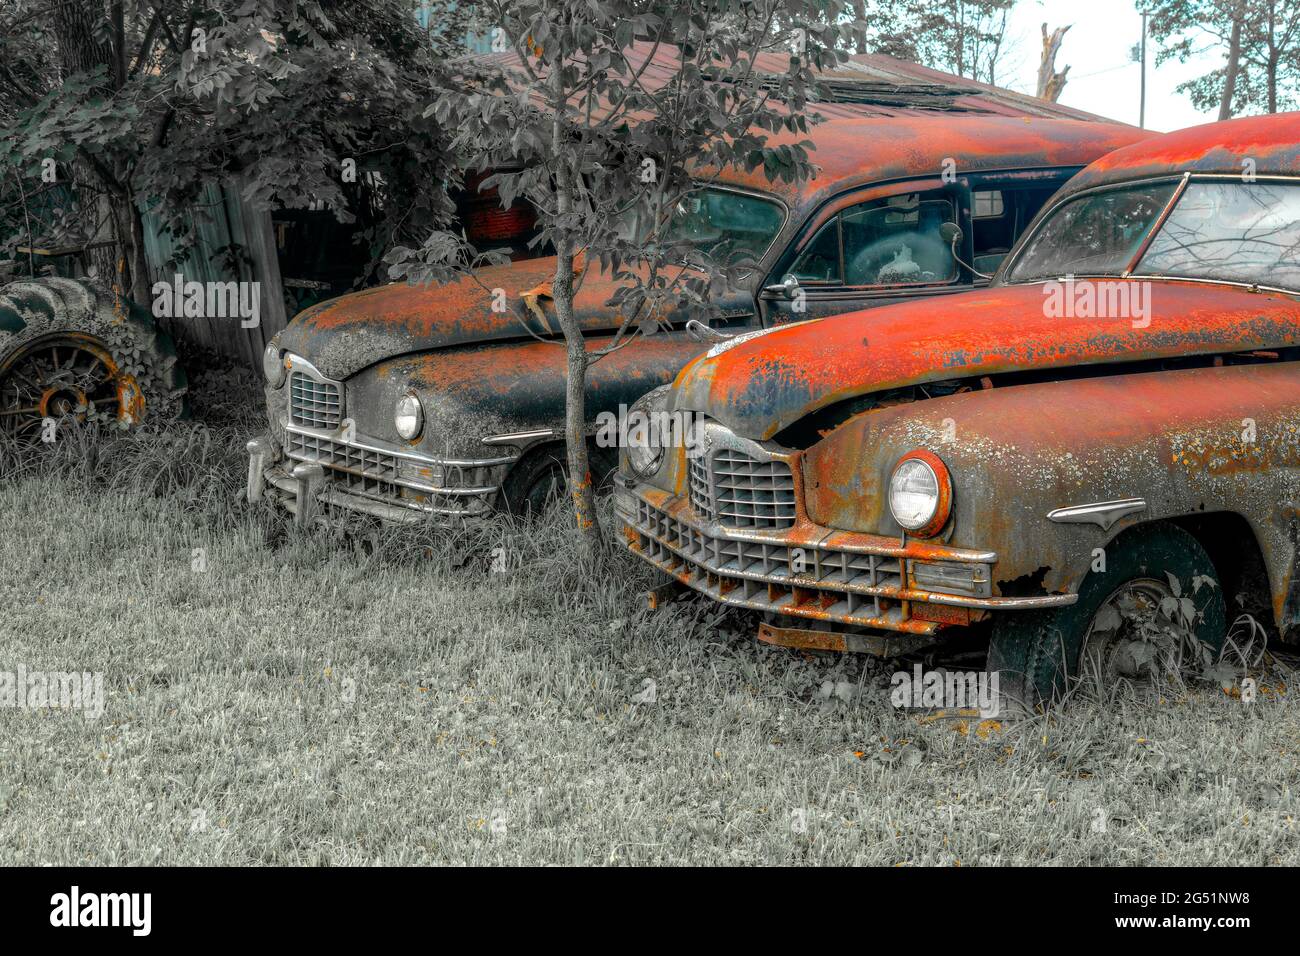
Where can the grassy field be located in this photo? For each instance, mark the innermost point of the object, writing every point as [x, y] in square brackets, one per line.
[274, 697]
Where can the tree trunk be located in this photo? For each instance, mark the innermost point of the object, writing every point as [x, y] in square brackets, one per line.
[575, 400]
[107, 210]
[1234, 59]
[1051, 83]
[860, 35]
[1272, 81]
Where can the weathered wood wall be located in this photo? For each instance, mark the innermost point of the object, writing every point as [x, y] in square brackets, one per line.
[226, 220]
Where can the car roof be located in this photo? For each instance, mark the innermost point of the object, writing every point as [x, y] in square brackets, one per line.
[1271, 144]
[862, 150]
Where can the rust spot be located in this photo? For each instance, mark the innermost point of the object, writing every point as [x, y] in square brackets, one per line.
[1027, 585]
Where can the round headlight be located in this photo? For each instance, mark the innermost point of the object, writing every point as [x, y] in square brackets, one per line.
[408, 416]
[920, 493]
[273, 366]
[644, 436]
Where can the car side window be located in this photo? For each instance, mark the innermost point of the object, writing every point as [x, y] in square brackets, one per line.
[897, 241]
[820, 262]
[885, 242]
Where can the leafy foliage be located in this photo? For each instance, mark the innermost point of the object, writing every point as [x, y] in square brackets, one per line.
[576, 116]
[1268, 77]
[278, 93]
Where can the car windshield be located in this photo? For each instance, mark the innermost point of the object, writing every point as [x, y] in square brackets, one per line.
[1095, 234]
[725, 226]
[1230, 231]
[1227, 231]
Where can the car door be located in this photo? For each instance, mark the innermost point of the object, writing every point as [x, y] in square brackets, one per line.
[886, 243]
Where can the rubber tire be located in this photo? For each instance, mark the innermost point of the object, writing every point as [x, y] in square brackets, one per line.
[1037, 652]
[539, 479]
[34, 309]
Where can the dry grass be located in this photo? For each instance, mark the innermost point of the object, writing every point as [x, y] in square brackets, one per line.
[302, 700]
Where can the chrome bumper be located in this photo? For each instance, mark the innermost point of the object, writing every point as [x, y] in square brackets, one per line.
[317, 467]
[809, 571]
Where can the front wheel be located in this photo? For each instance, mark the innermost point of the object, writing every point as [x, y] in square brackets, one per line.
[1158, 593]
[538, 480]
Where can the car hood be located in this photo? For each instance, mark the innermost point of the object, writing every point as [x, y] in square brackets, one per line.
[761, 385]
[344, 335]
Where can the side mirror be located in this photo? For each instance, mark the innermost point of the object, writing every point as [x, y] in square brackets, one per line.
[785, 288]
[951, 233]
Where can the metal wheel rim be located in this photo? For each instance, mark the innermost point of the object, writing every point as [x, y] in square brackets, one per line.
[1105, 647]
[55, 377]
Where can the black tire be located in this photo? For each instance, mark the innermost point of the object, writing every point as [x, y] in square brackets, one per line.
[538, 480]
[1037, 653]
[105, 350]
[535, 482]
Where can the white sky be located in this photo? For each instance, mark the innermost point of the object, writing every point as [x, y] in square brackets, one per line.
[1102, 78]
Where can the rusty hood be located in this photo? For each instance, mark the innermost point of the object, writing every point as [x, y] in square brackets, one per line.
[344, 335]
[760, 384]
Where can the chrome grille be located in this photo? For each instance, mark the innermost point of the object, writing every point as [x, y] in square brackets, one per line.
[737, 489]
[314, 404]
[848, 586]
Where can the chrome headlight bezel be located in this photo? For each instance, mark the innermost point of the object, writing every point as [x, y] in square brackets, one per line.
[645, 458]
[273, 366]
[920, 493]
[408, 416]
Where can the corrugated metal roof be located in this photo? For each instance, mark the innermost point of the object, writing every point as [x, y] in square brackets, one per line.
[867, 84]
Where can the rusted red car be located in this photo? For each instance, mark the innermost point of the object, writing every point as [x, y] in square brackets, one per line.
[1112, 428]
[404, 401]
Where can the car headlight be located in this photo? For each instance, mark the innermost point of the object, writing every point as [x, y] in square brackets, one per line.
[408, 416]
[644, 439]
[273, 366]
[920, 493]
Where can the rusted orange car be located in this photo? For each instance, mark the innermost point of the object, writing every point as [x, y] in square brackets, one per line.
[1110, 431]
[405, 401]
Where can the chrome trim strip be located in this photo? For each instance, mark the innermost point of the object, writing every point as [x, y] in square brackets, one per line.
[1152, 277]
[1250, 286]
[1101, 513]
[516, 437]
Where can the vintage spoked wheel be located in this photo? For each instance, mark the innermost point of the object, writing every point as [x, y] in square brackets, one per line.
[61, 377]
[1038, 653]
[70, 351]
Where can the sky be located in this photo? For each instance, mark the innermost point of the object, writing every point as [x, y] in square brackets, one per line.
[1102, 78]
